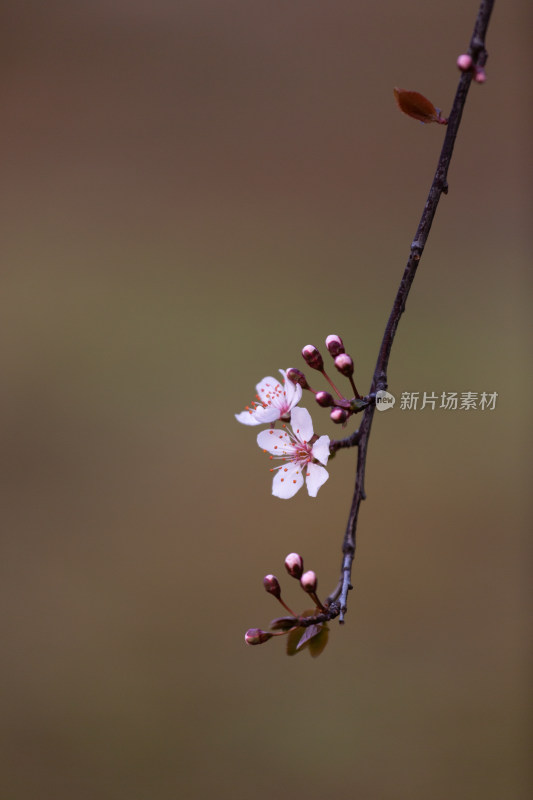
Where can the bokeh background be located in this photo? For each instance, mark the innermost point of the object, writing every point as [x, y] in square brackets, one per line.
[191, 192]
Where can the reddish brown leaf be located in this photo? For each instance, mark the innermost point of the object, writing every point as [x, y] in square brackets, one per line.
[313, 638]
[417, 106]
[292, 641]
[319, 641]
[283, 623]
[308, 634]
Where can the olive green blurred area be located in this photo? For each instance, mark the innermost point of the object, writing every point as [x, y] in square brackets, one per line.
[191, 192]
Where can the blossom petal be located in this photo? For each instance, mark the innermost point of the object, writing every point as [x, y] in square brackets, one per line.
[247, 418]
[320, 449]
[315, 477]
[302, 424]
[276, 442]
[287, 481]
[268, 414]
[293, 391]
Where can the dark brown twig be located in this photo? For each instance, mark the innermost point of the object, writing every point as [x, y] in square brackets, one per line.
[439, 186]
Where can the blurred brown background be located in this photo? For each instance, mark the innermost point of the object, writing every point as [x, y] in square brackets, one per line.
[192, 191]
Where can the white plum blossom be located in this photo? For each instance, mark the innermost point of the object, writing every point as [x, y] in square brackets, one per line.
[298, 456]
[274, 401]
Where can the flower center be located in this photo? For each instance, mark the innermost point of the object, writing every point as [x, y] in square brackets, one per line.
[302, 453]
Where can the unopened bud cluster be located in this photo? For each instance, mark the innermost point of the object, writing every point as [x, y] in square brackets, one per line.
[282, 625]
[465, 63]
[341, 407]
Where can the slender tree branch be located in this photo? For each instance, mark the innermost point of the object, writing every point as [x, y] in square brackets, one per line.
[349, 441]
[439, 186]
[332, 612]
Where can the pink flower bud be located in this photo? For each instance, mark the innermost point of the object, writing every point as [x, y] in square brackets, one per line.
[334, 345]
[480, 75]
[295, 376]
[324, 399]
[271, 584]
[344, 364]
[312, 357]
[339, 414]
[308, 581]
[257, 636]
[294, 565]
[464, 62]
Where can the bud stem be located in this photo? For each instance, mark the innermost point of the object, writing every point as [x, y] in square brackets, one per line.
[314, 596]
[286, 607]
[326, 376]
[356, 393]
